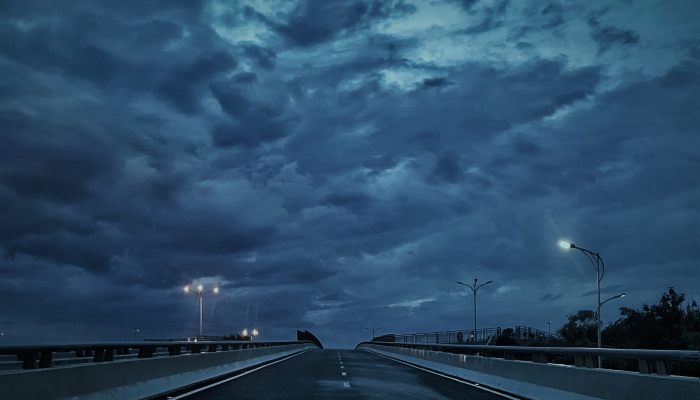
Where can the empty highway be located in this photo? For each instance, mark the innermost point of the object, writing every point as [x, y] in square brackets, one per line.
[340, 374]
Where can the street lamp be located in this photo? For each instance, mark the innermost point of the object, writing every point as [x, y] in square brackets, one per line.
[373, 330]
[475, 289]
[617, 296]
[200, 293]
[253, 333]
[599, 266]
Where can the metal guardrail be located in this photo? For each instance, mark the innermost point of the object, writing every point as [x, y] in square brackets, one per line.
[649, 361]
[483, 335]
[42, 356]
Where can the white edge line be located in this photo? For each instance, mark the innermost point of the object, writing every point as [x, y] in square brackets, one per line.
[477, 386]
[182, 396]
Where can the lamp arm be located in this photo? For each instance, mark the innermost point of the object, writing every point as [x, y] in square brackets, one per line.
[594, 258]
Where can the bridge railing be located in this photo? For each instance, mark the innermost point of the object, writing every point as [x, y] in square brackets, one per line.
[483, 335]
[43, 356]
[647, 361]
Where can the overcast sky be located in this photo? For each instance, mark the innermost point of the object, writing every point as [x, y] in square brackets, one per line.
[339, 165]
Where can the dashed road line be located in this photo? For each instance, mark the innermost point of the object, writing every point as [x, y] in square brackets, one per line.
[346, 384]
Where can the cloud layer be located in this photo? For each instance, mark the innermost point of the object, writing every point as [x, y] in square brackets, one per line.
[340, 166]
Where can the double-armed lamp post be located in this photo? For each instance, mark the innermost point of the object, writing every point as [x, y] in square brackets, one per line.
[599, 266]
[475, 289]
[200, 293]
[374, 331]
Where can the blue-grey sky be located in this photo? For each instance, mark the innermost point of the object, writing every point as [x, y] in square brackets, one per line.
[337, 165]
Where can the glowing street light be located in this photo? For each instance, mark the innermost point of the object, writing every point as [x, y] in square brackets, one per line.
[200, 293]
[617, 296]
[565, 245]
[475, 289]
[253, 333]
[599, 266]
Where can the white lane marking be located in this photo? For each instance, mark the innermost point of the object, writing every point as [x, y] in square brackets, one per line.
[344, 374]
[342, 367]
[346, 384]
[182, 396]
[474, 385]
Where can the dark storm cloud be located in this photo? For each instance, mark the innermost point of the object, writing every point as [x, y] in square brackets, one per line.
[491, 17]
[448, 168]
[31, 47]
[36, 163]
[436, 82]
[311, 23]
[182, 86]
[608, 36]
[261, 56]
[355, 202]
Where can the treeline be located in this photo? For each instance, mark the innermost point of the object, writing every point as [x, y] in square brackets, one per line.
[670, 324]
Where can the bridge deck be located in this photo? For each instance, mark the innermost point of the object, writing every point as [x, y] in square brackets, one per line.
[342, 374]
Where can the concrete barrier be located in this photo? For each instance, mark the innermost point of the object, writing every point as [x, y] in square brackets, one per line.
[135, 378]
[547, 381]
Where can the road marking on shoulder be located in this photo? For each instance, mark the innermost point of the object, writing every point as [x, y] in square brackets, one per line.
[346, 384]
[182, 396]
[474, 385]
[344, 373]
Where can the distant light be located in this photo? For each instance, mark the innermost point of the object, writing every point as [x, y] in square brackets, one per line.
[200, 288]
[245, 332]
[565, 245]
[187, 289]
[216, 290]
[255, 332]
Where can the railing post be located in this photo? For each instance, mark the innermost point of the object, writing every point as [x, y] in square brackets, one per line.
[109, 354]
[145, 352]
[644, 366]
[99, 355]
[539, 358]
[28, 359]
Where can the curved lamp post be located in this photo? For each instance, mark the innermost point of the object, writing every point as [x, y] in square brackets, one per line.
[475, 289]
[599, 266]
[200, 293]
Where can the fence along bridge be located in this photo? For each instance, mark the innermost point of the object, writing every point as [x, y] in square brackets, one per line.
[301, 369]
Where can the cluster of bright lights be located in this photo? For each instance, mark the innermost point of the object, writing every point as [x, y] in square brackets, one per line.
[200, 289]
[254, 332]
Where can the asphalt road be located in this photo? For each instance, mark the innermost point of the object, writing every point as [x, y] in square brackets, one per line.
[341, 374]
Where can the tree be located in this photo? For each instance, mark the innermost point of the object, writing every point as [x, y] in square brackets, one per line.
[506, 338]
[666, 325]
[580, 329]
